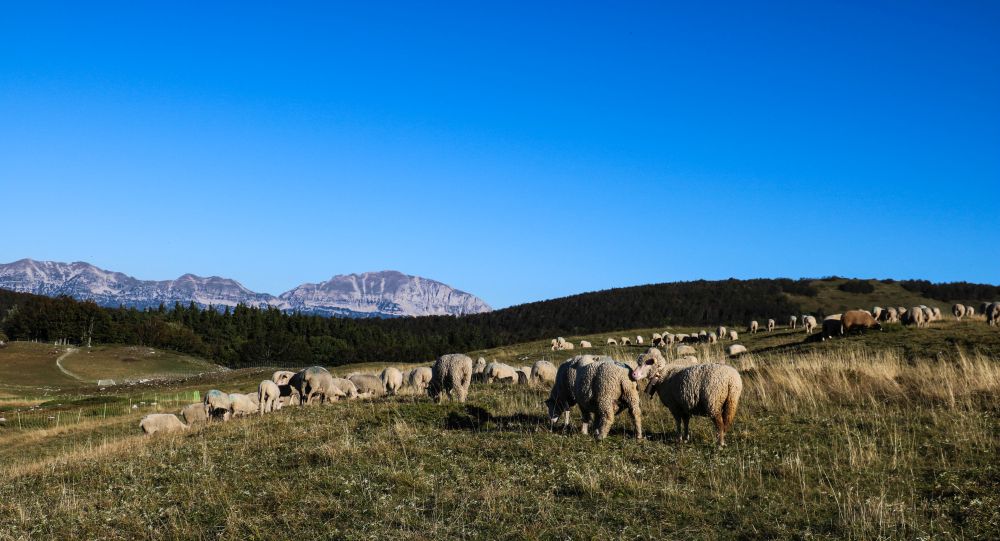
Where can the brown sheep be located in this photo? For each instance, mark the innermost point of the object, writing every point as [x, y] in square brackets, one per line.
[858, 319]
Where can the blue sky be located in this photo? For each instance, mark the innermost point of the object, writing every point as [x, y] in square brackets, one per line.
[519, 151]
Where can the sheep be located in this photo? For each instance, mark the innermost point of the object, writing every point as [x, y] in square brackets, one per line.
[657, 339]
[792, 321]
[392, 380]
[809, 324]
[970, 311]
[161, 422]
[721, 332]
[702, 335]
[937, 313]
[992, 313]
[708, 390]
[669, 338]
[217, 405]
[420, 378]
[311, 379]
[832, 327]
[451, 374]
[928, 314]
[733, 335]
[638, 340]
[194, 413]
[561, 399]
[626, 341]
[889, 315]
[347, 387]
[324, 386]
[685, 350]
[543, 372]
[500, 371]
[770, 325]
[555, 344]
[241, 405]
[612, 342]
[523, 374]
[566, 346]
[735, 350]
[712, 338]
[858, 319]
[680, 337]
[752, 329]
[900, 310]
[367, 384]
[958, 310]
[585, 344]
[268, 397]
[915, 316]
[602, 389]
[282, 377]
[877, 312]
[479, 369]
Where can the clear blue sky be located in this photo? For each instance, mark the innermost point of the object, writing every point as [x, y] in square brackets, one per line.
[519, 152]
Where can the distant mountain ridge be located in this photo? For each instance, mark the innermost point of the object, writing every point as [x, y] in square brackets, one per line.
[370, 294]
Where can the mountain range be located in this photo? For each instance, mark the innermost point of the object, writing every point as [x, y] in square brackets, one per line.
[370, 294]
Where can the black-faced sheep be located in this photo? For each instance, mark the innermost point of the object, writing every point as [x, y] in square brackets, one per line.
[217, 404]
[451, 374]
[161, 422]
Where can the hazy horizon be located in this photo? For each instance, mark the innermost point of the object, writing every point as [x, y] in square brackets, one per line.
[515, 152]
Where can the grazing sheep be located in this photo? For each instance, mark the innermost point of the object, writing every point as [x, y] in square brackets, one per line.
[347, 387]
[638, 340]
[585, 344]
[268, 397]
[451, 374]
[712, 338]
[900, 310]
[324, 386]
[702, 335]
[708, 390]
[561, 399]
[928, 314]
[217, 405]
[161, 422]
[543, 372]
[479, 369]
[809, 324]
[368, 384]
[392, 380]
[282, 377]
[626, 341]
[890, 315]
[721, 332]
[877, 312]
[669, 338]
[602, 389]
[612, 342]
[555, 344]
[523, 374]
[657, 339]
[970, 311]
[685, 350]
[566, 346]
[915, 316]
[832, 327]
[194, 413]
[733, 335]
[792, 321]
[420, 377]
[958, 310]
[937, 313]
[736, 350]
[858, 319]
[241, 405]
[500, 371]
[992, 313]
[770, 325]
[308, 381]
[680, 338]
[753, 327]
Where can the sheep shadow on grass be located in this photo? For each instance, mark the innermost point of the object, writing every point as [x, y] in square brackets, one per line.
[475, 418]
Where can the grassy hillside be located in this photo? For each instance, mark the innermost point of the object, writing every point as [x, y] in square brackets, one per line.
[854, 438]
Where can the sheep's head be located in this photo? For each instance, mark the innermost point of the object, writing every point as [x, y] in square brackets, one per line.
[554, 410]
[649, 365]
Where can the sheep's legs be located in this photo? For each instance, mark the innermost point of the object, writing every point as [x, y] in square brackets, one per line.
[720, 429]
[677, 427]
[687, 433]
[585, 425]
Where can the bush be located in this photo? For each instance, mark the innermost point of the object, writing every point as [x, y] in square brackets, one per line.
[857, 286]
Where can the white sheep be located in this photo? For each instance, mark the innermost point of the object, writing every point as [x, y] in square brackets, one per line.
[367, 384]
[958, 310]
[752, 329]
[194, 413]
[217, 404]
[792, 321]
[268, 397]
[721, 332]
[877, 312]
[770, 325]
[970, 311]
[626, 341]
[712, 338]
[612, 342]
[161, 422]
[733, 335]
[809, 324]
[602, 389]
[735, 350]
[992, 313]
[709, 390]
[585, 344]
[657, 339]
[685, 350]
[561, 399]
[240, 405]
[347, 387]
[420, 378]
[392, 380]
[937, 313]
[638, 340]
[452, 374]
[282, 377]
[523, 374]
[500, 372]
[543, 372]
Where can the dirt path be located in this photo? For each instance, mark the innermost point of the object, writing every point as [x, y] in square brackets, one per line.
[69, 351]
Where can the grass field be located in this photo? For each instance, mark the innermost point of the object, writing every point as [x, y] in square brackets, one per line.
[889, 435]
